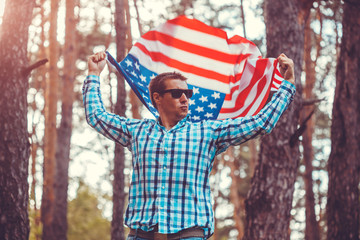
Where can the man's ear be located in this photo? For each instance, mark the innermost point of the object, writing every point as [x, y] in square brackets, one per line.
[156, 97]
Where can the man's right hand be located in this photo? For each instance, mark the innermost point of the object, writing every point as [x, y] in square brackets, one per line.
[96, 63]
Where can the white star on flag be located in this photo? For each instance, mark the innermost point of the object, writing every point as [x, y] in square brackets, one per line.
[199, 109]
[216, 95]
[203, 99]
[195, 90]
[209, 115]
[128, 63]
[212, 105]
[137, 66]
[143, 78]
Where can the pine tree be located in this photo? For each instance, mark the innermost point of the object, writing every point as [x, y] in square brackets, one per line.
[14, 137]
[270, 198]
[343, 166]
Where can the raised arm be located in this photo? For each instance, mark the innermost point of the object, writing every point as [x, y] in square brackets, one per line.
[108, 124]
[236, 131]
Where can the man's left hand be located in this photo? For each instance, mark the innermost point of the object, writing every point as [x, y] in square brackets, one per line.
[286, 68]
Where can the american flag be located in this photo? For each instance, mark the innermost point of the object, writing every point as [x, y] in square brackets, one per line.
[228, 76]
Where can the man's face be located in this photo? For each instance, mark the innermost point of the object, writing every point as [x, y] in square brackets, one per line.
[174, 108]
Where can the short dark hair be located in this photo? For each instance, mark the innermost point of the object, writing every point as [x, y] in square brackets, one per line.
[157, 84]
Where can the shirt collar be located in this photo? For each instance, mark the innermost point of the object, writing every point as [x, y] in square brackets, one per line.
[180, 124]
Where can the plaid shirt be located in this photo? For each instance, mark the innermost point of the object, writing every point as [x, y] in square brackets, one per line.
[170, 179]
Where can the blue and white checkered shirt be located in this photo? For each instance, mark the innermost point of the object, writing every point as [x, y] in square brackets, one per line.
[170, 180]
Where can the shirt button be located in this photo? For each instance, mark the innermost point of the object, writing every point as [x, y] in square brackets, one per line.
[163, 187]
[165, 167]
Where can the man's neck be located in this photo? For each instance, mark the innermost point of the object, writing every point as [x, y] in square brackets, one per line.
[167, 123]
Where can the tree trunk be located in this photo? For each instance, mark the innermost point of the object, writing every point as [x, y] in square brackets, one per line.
[312, 226]
[270, 198]
[38, 79]
[343, 165]
[48, 198]
[117, 224]
[14, 138]
[138, 18]
[243, 17]
[134, 100]
[60, 225]
[235, 196]
[183, 6]
[254, 156]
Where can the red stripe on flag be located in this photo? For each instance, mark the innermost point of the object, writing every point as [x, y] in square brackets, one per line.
[240, 100]
[277, 73]
[160, 57]
[198, 26]
[261, 88]
[195, 49]
[239, 40]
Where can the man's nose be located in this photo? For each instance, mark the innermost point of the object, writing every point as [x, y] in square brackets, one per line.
[183, 98]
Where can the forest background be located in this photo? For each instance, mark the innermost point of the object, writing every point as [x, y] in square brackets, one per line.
[59, 179]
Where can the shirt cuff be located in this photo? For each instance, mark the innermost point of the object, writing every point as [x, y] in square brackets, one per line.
[288, 88]
[92, 79]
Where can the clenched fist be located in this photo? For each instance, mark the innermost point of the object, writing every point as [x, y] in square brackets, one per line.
[96, 63]
[286, 68]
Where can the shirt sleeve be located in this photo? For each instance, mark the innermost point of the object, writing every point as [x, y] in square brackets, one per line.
[110, 125]
[236, 131]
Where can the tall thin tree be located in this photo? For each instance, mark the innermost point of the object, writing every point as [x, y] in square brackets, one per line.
[312, 226]
[117, 224]
[344, 166]
[14, 137]
[48, 198]
[38, 83]
[65, 129]
[270, 198]
[134, 100]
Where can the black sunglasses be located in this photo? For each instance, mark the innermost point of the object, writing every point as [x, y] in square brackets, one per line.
[177, 93]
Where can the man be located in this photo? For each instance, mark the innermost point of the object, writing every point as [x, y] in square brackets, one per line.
[169, 196]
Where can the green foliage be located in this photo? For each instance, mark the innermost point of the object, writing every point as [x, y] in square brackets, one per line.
[35, 225]
[85, 220]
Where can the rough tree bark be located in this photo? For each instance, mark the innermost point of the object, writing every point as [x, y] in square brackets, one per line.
[48, 198]
[344, 165]
[270, 198]
[117, 224]
[14, 138]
